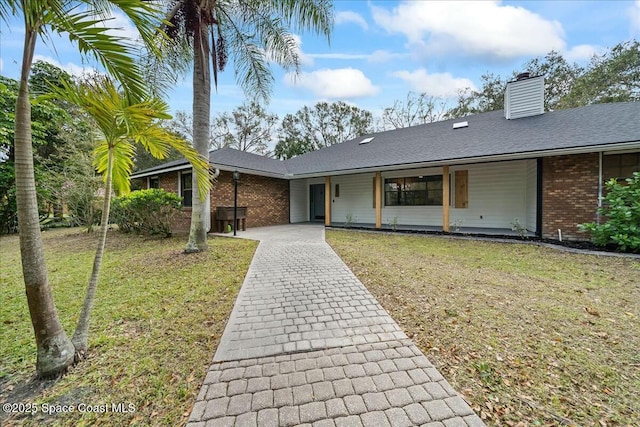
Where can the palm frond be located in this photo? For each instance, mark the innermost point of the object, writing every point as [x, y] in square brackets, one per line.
[146, 16]
[305, 15]
[8, 8]
[272, 34]
[114, 53]
[124, 124]
[123, 153]
[251, 66]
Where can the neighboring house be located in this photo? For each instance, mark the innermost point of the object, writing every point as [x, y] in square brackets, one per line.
[542, 170]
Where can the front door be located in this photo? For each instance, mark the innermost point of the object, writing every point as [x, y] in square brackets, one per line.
[316, 193]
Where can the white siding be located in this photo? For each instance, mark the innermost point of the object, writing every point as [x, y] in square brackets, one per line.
[497, 195]
[532, 194]
[411, 215]
[356, 198]
[524, 98]
[298, 201]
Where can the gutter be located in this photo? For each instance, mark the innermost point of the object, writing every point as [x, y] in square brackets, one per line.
[228, 168]
[607, 149]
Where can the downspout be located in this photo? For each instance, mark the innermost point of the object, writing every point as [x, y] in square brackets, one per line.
[289, 185]
[539, 189]
[207, 212]
[599, 187]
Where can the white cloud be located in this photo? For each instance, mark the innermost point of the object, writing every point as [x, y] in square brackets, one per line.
[375, 57]
[337, 83]
[348, 16]
[634, 17]
[305, 59]
[120, 26]
[1, 65]
[441, 85]
[337, 55]
[69, 67]
[380, 56]
[474, 28]
[582, 52]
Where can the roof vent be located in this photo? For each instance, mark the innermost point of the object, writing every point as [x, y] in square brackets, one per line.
[524, 97]
[366, 140]
[461, 125]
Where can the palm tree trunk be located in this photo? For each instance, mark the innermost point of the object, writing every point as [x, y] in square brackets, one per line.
[201, 110]
[54, 349]
[80, 336]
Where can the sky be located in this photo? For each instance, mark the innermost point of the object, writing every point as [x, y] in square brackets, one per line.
[381, 50]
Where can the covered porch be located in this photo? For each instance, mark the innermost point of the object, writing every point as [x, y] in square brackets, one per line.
[497, 198]
[476, 231]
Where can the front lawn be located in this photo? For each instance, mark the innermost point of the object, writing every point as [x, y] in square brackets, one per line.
[158, 317]
[529, 335]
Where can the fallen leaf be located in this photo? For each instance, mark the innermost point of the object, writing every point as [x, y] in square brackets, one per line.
[592, 311]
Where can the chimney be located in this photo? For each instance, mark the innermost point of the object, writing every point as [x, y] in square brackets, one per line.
[524, 97]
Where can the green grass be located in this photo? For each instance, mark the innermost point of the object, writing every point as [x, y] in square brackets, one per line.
[158, 317]
[526, 333]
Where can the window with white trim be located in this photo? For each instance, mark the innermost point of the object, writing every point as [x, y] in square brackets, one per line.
[186, 189]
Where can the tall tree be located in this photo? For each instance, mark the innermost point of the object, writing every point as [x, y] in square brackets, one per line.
[252, 33]
[489, 97]
[50, 142]
[611, 77]
[80, 20]
[321, 126]
[559, 77]
[417, 109]
[70, 134]
[248, 127]
[123, 123]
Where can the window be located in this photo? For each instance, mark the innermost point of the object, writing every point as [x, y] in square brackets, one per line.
[186, 189]
[620, 166]
[154, 182]
[413, 191]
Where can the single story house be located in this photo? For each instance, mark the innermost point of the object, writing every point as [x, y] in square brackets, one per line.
[485, 173]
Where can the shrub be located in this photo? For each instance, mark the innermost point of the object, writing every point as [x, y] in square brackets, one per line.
[621, 208]
[146, 211]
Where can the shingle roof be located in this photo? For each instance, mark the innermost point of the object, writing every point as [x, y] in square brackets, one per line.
[488, 134]
[228, 158]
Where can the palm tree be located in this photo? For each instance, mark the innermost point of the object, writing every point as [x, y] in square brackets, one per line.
[122, 124]
[251, 32]
[80, 20]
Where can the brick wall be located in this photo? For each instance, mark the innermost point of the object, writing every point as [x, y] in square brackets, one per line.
[569, 194]
[169, 182]
[266, 199]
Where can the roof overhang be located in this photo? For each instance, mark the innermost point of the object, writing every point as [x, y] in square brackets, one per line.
[228, 168]
[249, 171]
[605, 148]
[156, 172]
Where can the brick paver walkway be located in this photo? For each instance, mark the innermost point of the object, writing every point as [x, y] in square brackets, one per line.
[307, 344]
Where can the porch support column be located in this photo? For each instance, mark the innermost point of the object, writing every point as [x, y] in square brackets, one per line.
[327, 200]
[378, 200]
[445, 199]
